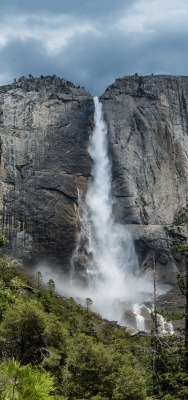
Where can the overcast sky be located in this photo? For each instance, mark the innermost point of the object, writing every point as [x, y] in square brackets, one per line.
[93, 42]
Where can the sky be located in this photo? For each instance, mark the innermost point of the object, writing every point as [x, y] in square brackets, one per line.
[92, 42]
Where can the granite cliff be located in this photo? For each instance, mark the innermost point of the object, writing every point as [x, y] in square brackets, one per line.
[45, 124]
[44, 130]
[147, 120]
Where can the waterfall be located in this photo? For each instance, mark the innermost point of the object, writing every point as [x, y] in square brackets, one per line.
[164, 327]
[104, 263]
[113, 258]
[112, 249]
[140, 322]
[112, 267]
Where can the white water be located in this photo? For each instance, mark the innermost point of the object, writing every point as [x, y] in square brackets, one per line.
[140, 322]
[111, 278]
[164, 327]
[113, 253]
[112, 270]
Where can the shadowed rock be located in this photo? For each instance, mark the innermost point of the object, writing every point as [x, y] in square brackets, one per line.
[45, 125]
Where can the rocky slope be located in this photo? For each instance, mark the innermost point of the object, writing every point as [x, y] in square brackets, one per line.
[147, 120]
[44, 129]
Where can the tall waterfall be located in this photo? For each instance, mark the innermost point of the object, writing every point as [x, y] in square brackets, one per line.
[112, 267]
[114, 258]
[104, 264]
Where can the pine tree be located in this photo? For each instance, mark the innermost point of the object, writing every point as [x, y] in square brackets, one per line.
[51, 286]
[19, 382]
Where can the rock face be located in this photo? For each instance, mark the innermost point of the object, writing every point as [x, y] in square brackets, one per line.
[148, 128]
[44, 129]
[45, 125]
[147, 120]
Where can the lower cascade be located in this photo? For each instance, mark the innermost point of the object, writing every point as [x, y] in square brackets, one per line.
[140, 322]
[164, 327]
[111, 277]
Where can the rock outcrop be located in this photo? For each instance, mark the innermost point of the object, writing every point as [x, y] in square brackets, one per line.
[45, 125]
[147, 120]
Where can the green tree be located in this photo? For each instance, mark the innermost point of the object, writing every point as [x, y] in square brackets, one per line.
[93, 371]
[19, 382]
[55, 346]
[6, 298]
[39, 279]
[88, 315]
[2, 239]
[51, 286]
[7, 270]
[72, 319]
[22, 333]
[86, 367]
[130, 384]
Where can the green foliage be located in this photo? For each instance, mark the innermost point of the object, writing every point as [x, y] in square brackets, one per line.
[182, 282]
[87, 326]
[72, 320]
[2, 239]
[89, 358]
[6, 298]
[183, 285]
[22, 333]
[16, 283]
[86, 368]
[24, 382]
[39, 279]
[180, 249]
[51, 286]
[7, 270]
[92, 370]
[175, 383]
[181, 217]
[170, 354]
[130, 384]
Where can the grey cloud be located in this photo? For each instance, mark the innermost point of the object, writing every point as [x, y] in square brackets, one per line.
[23, 58]
[91, 60]
[95, 63]
[76, 7]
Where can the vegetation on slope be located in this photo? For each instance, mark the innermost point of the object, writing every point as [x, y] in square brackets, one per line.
[52, 348]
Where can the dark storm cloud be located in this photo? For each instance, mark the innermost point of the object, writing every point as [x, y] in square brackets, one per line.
[92, 43]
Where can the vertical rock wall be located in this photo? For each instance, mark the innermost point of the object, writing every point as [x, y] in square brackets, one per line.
[44, 129]
[147, 120]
